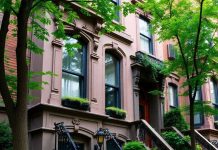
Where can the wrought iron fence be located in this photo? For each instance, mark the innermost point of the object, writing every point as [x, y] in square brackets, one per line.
[63, 140]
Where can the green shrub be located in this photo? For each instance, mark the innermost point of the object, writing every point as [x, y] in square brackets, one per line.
[5, 136]
[134, 145]
[175, 141]
[76, 99]
[175, 118]
[116, 112]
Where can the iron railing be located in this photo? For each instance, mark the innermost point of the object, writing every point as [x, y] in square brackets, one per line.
[146, 133]
[63, 140]
[204, 142]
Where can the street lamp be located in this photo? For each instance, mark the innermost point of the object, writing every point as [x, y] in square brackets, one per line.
[100, 137]
[105, 133]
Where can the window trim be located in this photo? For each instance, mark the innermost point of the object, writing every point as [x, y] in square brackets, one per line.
[150, 39]
[118, 85]
[83, 75]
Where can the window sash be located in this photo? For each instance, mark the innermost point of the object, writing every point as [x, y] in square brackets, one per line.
[173, 95]
[80, 75]
[114, 94]
[114, 86]
[148, 48]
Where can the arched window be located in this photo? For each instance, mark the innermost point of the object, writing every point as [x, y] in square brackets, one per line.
[112, 80]
[74, 68]
[173, 95]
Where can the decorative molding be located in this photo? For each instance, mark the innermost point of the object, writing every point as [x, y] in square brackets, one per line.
[95, 43]
[94, 100]
[57, 42]
[76, 124]
[98, 27]
[115, 46]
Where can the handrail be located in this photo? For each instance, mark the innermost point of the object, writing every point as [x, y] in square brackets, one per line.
[202, 140]
[159, 141]
[64, 133]
[174, 129]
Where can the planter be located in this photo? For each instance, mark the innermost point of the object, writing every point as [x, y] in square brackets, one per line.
[116, 112]
[76, 103]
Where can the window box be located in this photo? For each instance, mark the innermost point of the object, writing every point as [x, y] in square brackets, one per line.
[116, 112]
[76, 103]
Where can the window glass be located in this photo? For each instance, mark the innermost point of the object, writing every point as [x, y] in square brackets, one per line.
[173, 95]
[74, 69]
[145, 43]
[112, 77]
[70, 85]
[72, 63]
[198, 117]
[144, 28]
[145, 36]
[110, 69]
[213, 91]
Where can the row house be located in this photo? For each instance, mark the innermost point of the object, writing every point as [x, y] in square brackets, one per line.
[107, 71]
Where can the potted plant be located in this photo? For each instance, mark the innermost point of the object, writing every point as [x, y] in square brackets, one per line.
[116, 112]
[134, 145]
[76, 103]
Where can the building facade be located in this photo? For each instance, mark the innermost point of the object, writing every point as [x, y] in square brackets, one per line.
[105, 70]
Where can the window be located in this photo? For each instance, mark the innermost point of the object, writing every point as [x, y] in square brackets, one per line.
[214, 95]
[74, 70]
[145, 36]
[116, 3]
[112, 80]
[198, 117]
[173, 95]
[213, 92]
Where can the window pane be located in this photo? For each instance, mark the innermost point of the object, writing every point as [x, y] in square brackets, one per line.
[212, 91]
[144, 43]
[111, 70]
[144, 28]
[111, 96]
[73, 63]
[70, 85]
[197, 118]
[173, 95]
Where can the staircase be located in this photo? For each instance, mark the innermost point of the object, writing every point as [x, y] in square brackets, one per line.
[147, 135]
[205, 144]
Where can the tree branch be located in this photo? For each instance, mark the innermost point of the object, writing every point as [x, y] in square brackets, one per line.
[197, 38]
[4, 90]
[183, 57]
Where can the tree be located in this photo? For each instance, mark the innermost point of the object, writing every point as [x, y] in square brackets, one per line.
[192, 26]
[29, 16]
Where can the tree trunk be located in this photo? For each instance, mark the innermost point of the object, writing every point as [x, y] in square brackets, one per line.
[20, 130]
[192, 126]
